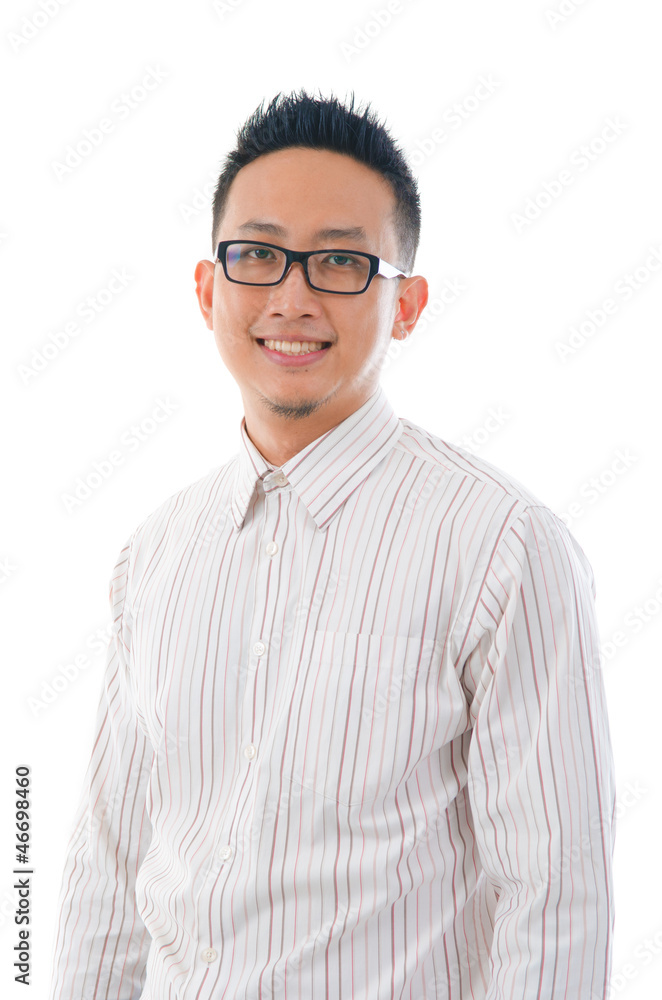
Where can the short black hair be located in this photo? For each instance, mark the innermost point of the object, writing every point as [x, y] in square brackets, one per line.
[298, 119]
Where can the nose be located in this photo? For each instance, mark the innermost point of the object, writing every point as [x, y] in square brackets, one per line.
[294, 296]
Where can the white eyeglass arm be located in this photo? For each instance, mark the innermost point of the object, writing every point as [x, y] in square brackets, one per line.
[389, 271]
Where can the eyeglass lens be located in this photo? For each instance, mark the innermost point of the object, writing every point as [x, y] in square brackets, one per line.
[263, 265]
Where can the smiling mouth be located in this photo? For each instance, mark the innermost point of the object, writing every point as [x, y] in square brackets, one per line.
[295, 348]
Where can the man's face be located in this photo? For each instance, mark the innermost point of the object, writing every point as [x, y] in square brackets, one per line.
[289, 198]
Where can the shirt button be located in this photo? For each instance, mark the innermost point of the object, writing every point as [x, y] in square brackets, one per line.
[280, 479]
[259, 648]
[225, 853]
[250, 751]
[272, 548]
[209, 955]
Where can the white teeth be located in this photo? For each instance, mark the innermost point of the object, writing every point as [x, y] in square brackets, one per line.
[295, 347]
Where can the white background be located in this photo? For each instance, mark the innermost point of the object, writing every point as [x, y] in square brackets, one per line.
[139, 203]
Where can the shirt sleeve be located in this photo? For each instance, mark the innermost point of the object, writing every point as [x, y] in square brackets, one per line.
[101, 944]
[541, 773]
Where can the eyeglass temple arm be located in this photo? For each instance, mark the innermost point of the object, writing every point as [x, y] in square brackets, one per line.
[389, 271]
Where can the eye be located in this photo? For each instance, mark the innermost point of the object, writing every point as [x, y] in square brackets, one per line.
[342, 260]
[258, 250]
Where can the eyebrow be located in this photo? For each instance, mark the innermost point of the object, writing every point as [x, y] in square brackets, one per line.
[271, 229]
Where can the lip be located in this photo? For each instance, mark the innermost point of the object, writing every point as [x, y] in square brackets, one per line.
[293, 360]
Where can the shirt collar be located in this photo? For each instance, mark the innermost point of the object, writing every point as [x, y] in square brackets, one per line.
[327, 470]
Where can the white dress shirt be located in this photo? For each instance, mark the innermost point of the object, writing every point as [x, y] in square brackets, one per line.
[352, 740]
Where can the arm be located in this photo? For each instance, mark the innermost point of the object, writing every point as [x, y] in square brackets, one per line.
[541, 772]
[102, 944]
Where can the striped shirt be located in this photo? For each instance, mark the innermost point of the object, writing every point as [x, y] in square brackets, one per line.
[352, 740]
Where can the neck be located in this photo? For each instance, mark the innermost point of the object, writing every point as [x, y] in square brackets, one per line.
[281, 431]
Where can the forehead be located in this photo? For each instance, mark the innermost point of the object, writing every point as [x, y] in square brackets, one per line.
[306, 190]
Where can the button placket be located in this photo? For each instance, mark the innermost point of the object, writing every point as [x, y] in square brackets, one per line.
[253, 709]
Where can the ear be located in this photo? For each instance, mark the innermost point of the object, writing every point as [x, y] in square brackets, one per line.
[204, 289]
[412, 300]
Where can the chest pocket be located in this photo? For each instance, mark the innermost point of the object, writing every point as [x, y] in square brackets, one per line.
[368, 710]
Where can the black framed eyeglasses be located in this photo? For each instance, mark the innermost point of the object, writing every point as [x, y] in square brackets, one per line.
[342, 272]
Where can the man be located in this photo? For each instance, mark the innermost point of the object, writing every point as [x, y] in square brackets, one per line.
[353, 740]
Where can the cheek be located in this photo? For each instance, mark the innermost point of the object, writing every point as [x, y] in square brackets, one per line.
[232, 319]
[368, 330]
[386, 306]
[376, 312]
[359, 323]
